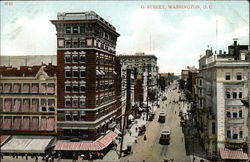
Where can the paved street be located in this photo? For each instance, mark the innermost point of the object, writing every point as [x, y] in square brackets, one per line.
[151, 150]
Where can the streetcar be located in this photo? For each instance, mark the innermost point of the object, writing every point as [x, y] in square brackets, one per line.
[162, 117]
[165, 137]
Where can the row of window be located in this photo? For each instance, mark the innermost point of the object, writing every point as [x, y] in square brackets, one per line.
[41, 123]
[75, 101]
[74, 72]
[103, 113]
[234, 112]
[75, 87]
[233, 95]
[104, 87]
[27, 105]
[26, 88]
[82, 133]
[75, 43]
[104, 59]
[74, 29]
[234, 134]
[74, 57]
[74, 116]
[238, 76]
[104, 99]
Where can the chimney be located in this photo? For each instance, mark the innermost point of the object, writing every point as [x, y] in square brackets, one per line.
[235, 43]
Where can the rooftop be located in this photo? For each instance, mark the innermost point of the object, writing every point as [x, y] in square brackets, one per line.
[83, 16]
[137, 55]
[27, 60]
[27, 71]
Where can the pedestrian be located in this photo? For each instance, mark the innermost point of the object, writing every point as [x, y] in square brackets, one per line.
[174, 112]
[90, 157]
[130, 133]
[136, 129]
[145, 138]
[59, 157]
[182, 139]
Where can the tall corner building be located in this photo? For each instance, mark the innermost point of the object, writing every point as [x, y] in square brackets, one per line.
[86, 77]
[223, 120]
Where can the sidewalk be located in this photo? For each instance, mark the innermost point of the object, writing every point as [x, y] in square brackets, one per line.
[197, 159]
[113, 155]
[192, 143]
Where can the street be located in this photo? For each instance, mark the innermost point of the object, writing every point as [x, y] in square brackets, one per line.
[151, 150]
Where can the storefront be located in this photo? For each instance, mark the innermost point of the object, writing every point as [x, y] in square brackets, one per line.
[75, 150]
[233, 155]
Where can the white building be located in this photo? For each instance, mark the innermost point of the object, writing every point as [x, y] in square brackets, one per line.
[222, 118]
[141, 64]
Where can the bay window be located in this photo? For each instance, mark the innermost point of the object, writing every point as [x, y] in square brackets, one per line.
[82, 44]
[67, 58]
[67, 29]
[75, 87]
[67, 86]
[75, 58]
[82, 101]
[75, 29]
[67, 72]
[67, 101]
[68, 44]
[75, 102]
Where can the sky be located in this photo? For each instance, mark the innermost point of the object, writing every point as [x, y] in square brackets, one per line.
[177, 32]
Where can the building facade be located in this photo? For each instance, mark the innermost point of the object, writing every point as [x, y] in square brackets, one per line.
[184, 74]
[87, 100]
[143, 77]
[222, 118]
[142, 64]
[28, 100]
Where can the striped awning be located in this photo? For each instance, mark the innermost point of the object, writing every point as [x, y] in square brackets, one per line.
[85, 146]
[233, 154]
[3, 139]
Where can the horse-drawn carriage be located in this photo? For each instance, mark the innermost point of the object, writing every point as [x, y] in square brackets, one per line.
[142, 130]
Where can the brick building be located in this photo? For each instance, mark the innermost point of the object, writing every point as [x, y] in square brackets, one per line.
[88, 102]
[28, 106]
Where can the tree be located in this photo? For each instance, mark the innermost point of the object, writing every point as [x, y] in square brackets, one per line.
[182, 83]
[152, 95]
[162, 83]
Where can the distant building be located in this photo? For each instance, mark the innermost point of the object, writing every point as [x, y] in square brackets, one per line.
[191, 80]
[28, 107]
[143, 66]
[184, 74]
[27, 60]
[222, 119]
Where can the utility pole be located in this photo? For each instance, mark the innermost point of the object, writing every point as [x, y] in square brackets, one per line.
[248, 139]
[157, 92]
[128, 99]
[147, 90]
